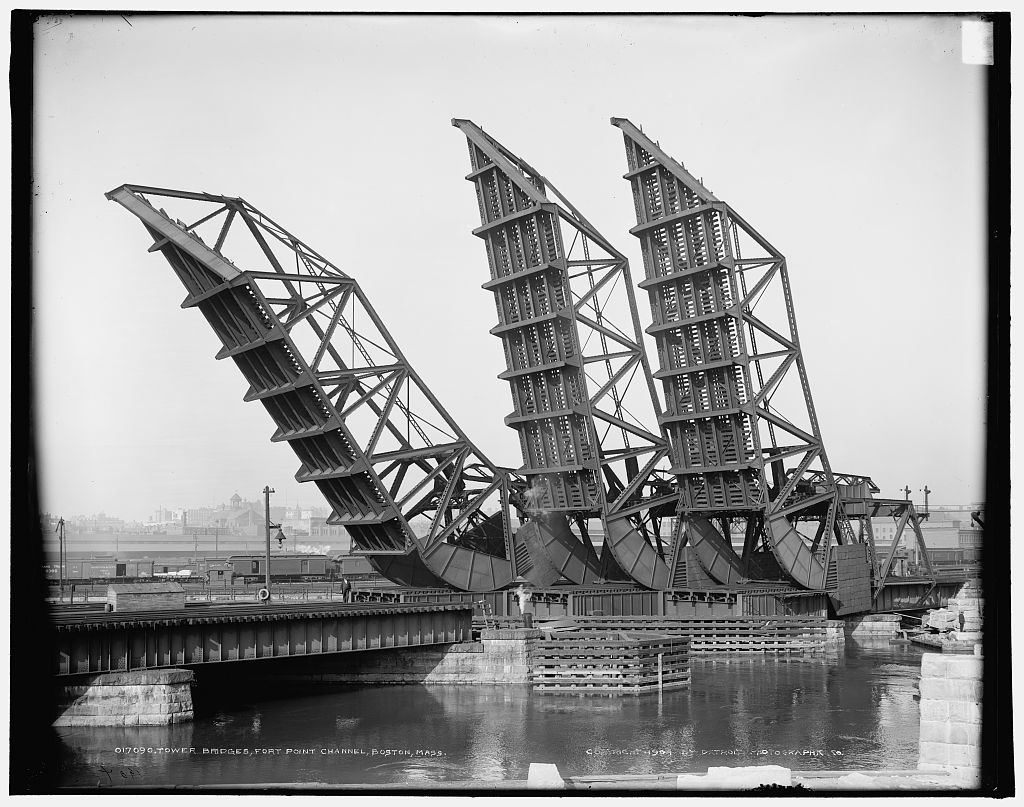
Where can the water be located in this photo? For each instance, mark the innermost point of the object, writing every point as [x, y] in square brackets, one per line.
[853, 714]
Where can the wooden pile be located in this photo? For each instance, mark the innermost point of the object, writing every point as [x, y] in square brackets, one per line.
[609, 662]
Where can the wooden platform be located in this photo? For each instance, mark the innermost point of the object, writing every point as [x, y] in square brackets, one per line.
[610, 662]
[777, 635]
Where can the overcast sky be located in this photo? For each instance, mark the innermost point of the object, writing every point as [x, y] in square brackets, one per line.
[855, 145]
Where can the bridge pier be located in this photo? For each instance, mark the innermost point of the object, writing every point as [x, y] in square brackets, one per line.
[872, 627]
[951, 700]
[138, 698]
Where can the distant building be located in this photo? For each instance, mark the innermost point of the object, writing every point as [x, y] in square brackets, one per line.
[96, 523]
[942, 529]
[163, 518]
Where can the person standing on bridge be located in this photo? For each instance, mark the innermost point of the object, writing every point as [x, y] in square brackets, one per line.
[525, 595]
[346, 590]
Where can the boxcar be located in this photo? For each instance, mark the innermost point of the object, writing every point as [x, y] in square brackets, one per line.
[282, 567]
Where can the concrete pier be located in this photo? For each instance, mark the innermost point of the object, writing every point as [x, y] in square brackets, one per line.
[150, 698]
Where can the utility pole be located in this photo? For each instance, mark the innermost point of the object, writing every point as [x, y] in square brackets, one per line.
[926, 492]
[195, 549]
[266, 495]
[906, 493]
[60, 554]
[216, 541]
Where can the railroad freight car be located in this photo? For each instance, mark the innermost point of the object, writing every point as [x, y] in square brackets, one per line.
[253, 568]
[112, 569]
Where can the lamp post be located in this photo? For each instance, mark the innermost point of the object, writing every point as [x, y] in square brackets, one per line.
[926, 492]
[266, 495]
[906, 493]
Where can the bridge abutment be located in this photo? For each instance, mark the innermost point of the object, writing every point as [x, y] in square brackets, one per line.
[139, 698]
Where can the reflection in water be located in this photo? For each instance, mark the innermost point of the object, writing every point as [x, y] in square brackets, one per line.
[857, 711]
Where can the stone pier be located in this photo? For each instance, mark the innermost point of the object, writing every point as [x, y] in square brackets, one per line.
[835, 634]
[951, 689]
[873, 627]
[969, 606]
[142, 698]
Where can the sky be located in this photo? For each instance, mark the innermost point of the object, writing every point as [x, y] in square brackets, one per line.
[856, 145]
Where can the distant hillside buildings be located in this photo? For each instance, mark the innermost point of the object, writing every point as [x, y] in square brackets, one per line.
[239, 518]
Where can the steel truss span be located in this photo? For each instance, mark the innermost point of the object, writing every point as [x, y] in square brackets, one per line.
[419, 499]
[745, 444]
[583, 398]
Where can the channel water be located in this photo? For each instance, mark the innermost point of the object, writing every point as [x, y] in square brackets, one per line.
[854, 711]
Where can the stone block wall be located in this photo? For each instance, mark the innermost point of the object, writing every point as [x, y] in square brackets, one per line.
[151, 698]
[951, 690]
[971, 605]
[873, 626]
[507, 654]
[835, 633]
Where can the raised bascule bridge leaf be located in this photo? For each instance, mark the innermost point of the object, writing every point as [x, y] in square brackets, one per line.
[732, 449]
[584, 402]
[746, 448]
[419, 499]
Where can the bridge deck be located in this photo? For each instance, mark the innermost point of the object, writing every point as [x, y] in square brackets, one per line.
[90, 642]
[202, 613]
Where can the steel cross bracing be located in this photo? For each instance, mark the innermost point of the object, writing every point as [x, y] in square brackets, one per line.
[744, 440]
[581, 385]
[856, 494]
[417, 496]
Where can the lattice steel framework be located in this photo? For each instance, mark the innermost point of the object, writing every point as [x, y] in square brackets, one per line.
[416, 495]
[580, 381]
[734, 452]
[857, 494]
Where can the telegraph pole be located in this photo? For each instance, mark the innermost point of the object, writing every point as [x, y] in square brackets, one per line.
[906, 493]
[266, 495]
[60, 554]
[926, 492]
